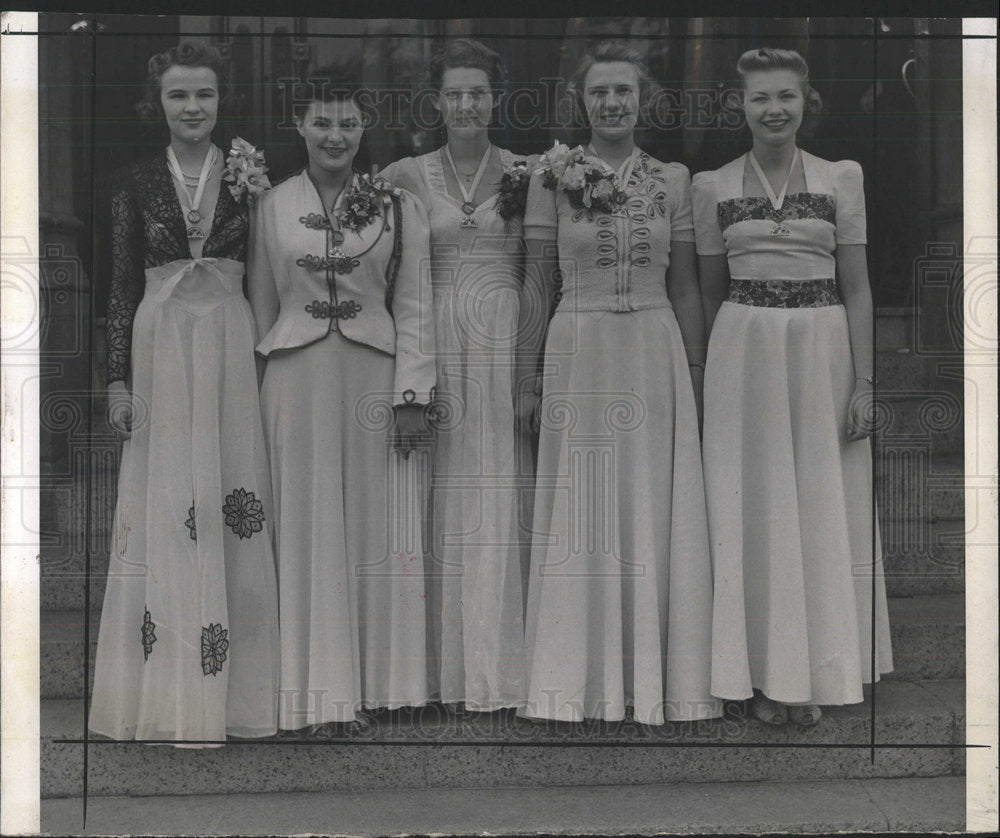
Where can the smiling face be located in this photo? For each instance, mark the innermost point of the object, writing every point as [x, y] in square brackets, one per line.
[332, 131]
[774, 103]
[190, 100]
[611, 99]
[465, 101]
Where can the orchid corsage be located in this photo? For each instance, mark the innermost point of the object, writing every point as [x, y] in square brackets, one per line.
[512, 194]
[364, 202]
[246, 172]
[587, 185]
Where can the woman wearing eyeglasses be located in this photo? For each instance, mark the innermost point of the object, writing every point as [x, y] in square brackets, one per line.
[477, 258]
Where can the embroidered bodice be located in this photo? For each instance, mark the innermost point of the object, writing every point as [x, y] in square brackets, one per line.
[616, 261]
[796, 242]
[148, 230]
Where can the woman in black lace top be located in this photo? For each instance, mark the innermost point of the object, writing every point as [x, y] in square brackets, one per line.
[188, 641]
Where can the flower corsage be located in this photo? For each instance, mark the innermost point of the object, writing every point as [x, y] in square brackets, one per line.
[512, 195]
[364, 202]
[588, 186]
[246, 172]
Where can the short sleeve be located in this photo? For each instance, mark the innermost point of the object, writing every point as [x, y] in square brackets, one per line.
[540, 218]
[705, 208]
[849, 194]
[681, 219]
[405, 174]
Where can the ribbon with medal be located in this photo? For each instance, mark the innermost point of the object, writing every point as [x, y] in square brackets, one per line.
[193, 214]
[468, 207]
[777, 201]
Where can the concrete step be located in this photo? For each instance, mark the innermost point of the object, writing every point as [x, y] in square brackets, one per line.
[429, 748]
[921, 420]
[928, 637]
[896, 328]
[922, 558]
[911, 804]
[913, 484]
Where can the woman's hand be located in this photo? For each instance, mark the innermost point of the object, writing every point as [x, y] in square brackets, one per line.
[861, 412]
[410, 429]
[120, 409]
[527, 411]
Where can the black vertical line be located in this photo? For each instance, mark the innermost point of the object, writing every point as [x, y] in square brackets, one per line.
[88, 474]
[872, 442]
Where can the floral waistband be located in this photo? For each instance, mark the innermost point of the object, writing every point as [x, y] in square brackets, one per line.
[784, 293]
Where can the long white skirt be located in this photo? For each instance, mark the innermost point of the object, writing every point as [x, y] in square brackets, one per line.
[790, 510]
[187, 648]
[478, 532]
[620, 590]
[353, 600]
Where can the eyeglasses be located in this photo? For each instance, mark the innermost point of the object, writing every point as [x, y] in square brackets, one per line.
[456, 96]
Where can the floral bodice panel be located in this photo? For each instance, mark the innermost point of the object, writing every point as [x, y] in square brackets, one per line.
[616, 261]
[148, 230]
[797, 241]
[476, 271]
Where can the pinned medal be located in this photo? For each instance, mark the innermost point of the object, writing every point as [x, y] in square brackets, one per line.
[193, 216]
[780, 230]
[468, 208]
[337, 236]
[195, 233]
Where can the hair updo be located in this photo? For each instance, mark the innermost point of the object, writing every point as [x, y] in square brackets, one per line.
[462, 53]
[331, 83]
[185, 54]
[769, 58]
[608, 52]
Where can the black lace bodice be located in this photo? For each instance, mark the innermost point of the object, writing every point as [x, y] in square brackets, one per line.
[148, 230]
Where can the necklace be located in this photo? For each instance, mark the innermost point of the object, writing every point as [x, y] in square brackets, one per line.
[468, 207]
[777, 201]
[193, 214]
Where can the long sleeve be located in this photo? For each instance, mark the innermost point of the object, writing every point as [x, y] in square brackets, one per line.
[413, 308]
[127, 282]
[262, 291]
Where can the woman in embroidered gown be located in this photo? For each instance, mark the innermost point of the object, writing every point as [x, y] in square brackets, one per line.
[339, 288]
[187, 648]
[620, 590]
[788, 385]
[477, 261]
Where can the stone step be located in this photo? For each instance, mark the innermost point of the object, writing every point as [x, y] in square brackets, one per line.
[910, 804]
[920, 726]
[913, 484]
[928, 641]
[928, 637]
[921, 421]
[923, 558]
[896, 327]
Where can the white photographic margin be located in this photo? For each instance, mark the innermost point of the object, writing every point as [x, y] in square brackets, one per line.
[979, 133]
[20, 727]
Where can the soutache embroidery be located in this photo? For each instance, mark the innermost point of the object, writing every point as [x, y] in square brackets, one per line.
[800, 205]
[315, 221]
[148, 635]
[785, 293]
[512, 194]
[214, 646]
[244, 513]
[321, 309]
[342, 264]
[190, 524]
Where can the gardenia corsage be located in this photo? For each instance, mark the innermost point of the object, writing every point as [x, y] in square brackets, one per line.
[586, 183]
[512, 195]
[246, 172]
[364, 202]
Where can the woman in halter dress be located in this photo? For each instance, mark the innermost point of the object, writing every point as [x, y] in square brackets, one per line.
[620, 587]
[479, 538]
[187, 649]
[781, 239]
